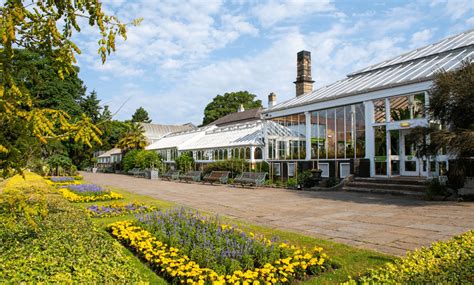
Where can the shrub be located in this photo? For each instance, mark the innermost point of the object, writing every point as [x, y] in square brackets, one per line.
[60, 163]
[129, 159]
[435, 188]
[68, 248]
[148, 159]
[445, 262]
[331, 182]
[292, 182]
[235, 166]
[306, 179]
[184, 162]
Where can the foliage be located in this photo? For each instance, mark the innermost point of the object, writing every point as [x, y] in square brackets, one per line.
[90, 106]
[67, 249]
[292, 182]
[132, 138]
[445, 262]
[148, 159]
[59, 163]
[23, 199]
[118, 209]
[435, 188]
[185, 162]
[306, 179]
[87, 189]
[331, 182]
[235, 166]
[129, 159]
[456, 174]
[177, 267]
[46, 28]
[229, 103]
[141, 116]
[78, 197]
[112, 131]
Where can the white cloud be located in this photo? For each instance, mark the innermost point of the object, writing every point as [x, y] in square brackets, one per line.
[456, 8]
[421, 38]
[274, 11]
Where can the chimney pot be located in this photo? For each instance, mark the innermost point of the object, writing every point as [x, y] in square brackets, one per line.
[304, 82]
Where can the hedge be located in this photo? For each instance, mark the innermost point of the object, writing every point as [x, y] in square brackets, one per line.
[66, 247]
[445, 262]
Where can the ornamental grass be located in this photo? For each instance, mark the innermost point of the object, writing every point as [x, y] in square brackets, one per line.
[185, 247]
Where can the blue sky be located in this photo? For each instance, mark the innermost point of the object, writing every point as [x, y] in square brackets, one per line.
[186, 52]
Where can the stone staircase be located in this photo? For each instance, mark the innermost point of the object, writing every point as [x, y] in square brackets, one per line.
[412, 186]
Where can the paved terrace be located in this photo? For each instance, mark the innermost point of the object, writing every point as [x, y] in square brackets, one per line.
[383, 223]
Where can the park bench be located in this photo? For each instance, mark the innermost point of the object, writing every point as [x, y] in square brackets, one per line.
[217, 176]
[251, 178]
[133, 171]
[171, 175]
[191, 176]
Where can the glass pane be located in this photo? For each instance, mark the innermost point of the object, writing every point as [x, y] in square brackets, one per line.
[322, 135]
[314, 135]
[360, 130]
[349, 130]
[395, 142]
[380, 158]
[340, 124]
[395, 167]
[331, 139]
[379, 111]
[419, 106]
[400, 108]
[302, 131]
[410, 165]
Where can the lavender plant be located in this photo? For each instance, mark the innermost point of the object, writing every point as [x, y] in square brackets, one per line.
[87, 189]
[61, 179]
[204, 240]
[117, 209]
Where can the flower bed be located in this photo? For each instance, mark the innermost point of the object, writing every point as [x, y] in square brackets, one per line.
[88, 193]
[62, 181]
[185, 247]
[445, 262]
[118, 209]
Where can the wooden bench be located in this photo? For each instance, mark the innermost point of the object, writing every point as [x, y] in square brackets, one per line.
[191, 176]
[251, 178]
[171, 175]
[217, 176]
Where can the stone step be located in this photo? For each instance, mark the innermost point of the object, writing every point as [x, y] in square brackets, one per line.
[384, 191]
[398, 180]
[390, 186]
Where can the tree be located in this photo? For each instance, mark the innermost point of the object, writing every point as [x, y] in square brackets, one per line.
[141, 116]
[59, 162]
[90, 106]
[148, 159]
[451, 106]
[46, 27]
[133, 138]
[229, 103]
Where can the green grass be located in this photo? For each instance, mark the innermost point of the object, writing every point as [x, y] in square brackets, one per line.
[352, 261]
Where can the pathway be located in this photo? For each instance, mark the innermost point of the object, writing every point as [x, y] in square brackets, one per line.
[388, 224]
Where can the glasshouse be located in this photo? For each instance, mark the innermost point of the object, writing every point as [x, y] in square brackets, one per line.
[237, 135]
[362, 124]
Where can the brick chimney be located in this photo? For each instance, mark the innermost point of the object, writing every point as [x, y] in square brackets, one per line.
[272, 100]
[304, 82]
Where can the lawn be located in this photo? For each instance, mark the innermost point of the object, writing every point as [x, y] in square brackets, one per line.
[352, 261]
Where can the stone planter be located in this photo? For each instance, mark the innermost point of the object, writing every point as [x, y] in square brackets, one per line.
[94, 169]
[152, 174]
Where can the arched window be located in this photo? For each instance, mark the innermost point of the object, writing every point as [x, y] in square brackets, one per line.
[216, 155]
[225, 154]
[247, 153]
[258, 153]
[236, 153]
[242, 153]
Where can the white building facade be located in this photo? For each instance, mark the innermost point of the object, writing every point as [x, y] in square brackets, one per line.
[362, 124]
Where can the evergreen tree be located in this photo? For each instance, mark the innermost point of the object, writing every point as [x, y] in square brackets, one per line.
[141, 116]
[90, 106]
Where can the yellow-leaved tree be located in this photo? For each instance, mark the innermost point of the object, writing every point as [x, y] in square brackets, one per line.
[45, 27]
